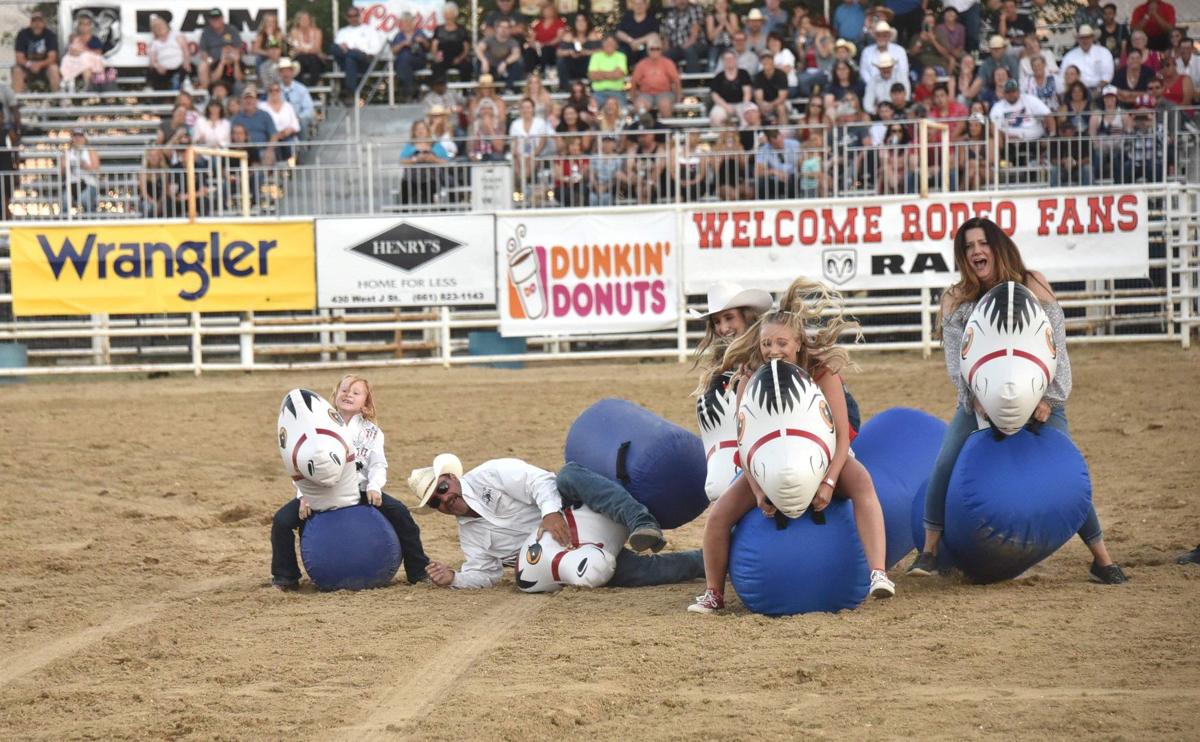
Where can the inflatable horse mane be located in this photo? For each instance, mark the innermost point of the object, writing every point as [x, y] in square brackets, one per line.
[717, 418]
[1008, 355]
[315, 448]
[785, 435]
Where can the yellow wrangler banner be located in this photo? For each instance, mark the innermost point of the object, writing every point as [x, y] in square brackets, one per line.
[153, 268]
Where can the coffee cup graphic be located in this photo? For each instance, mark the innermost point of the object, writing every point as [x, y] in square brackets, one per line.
[524, 270]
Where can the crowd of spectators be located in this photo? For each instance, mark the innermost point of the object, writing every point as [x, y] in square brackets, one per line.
[813, 102]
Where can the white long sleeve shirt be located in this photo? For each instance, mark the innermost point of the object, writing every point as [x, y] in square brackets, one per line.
[511, 498]
[1020, 120]
[1095, 65]
[361, 37]
[870, 56]
[880, 89]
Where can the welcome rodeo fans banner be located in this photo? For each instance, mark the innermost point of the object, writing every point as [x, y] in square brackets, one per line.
[587, 274]
[123, 26]
[153, 268]
[408, 261]
[894, 243]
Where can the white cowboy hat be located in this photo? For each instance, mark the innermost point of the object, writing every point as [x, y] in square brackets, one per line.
[724, 295]
[422, 481]
[884, 61]
[884, 27]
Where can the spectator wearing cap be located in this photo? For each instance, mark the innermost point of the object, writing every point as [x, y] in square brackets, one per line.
[884, 44]
[297, 94]
[168, 56]
[998, 56]
[771, 90]
[682, 30]
[1142, 158]
[214, 39]
[607, 70]
[880, 86]
[259, 126]
[1112, 34]
[409, 47]
[499, 55]
[1020, 118]
[848, 20]
[36, 55]
[80, 168]
[756, 31]
[354, 46]
[655, 82]
[635, 30]
[1156, 18]
[1094, 62]
[1187, 62]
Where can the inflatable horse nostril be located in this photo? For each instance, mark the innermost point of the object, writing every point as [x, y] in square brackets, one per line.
[1010, 392]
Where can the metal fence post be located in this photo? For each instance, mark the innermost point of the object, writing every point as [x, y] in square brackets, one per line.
[926, 325]
[246, 340]
[444, 334]
[197, 353]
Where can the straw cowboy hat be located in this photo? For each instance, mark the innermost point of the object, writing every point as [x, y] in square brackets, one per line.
[885, 61]
[724, 295]
[423, 481]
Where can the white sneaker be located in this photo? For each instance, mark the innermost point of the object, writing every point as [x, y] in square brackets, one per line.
[709, 602]
[881, 586]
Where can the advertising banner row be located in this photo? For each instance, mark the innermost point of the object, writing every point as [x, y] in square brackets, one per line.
[568, 272]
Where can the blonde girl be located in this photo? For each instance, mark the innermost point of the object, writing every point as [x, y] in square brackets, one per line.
[799, 334]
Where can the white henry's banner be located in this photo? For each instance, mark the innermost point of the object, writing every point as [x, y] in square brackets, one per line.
[894, 243]
[587, 273]
[123, 26]
[385, 14]
[405, 261]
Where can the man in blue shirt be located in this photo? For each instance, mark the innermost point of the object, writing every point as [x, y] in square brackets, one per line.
[848, 20]
[36, 54]
[776, 164]
[260, 128]
[297, 94]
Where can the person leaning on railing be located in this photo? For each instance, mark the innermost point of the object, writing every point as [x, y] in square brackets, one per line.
[421, 157]
[178, 188]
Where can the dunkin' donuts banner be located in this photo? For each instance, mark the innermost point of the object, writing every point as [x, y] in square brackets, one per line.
[602, 273]
[905, 242]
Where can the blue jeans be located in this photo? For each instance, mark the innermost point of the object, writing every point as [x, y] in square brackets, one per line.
[603, 95]
[957, 432]
[579, 485]
[970, 19]
[406, 65]
[353, 63]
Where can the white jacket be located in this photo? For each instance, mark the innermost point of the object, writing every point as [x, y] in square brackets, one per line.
[367, 440]
[362, 37]
[869, 72]
[511, 498]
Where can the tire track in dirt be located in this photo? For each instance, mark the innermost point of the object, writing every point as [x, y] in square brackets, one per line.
[23, 663]
[416, 690]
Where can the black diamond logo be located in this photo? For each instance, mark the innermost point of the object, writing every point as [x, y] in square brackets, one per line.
[406, 246]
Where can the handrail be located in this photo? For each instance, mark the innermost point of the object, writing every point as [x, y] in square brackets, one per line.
[190, 161]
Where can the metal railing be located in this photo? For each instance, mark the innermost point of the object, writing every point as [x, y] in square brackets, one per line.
[626, 168]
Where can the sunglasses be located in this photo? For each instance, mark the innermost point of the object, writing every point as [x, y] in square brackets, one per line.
[435, 500]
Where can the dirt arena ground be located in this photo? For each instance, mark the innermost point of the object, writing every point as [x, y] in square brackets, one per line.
[133, 539]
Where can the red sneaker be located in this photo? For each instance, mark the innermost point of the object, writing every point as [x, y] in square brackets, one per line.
[710, 602]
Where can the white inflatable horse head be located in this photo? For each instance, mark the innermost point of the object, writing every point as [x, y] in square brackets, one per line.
[1008, 355]
[314, 445]
[718, 430]
[544, 565]
[785, 435]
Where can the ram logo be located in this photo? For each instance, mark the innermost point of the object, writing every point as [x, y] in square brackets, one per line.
[839, 266]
